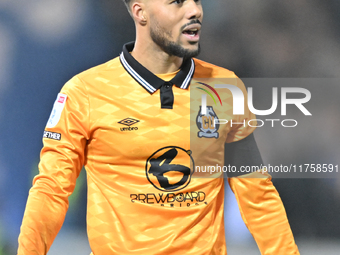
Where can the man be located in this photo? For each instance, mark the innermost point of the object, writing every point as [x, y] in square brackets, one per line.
[128, 122]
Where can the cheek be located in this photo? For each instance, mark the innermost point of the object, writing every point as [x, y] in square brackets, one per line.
[166, 23]
[162, 28]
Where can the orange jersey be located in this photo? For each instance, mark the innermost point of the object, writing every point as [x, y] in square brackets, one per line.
[140, 145]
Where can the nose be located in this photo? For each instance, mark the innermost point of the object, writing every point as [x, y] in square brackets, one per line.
[194, 9]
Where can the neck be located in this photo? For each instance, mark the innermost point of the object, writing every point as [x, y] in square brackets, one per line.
[153, 58]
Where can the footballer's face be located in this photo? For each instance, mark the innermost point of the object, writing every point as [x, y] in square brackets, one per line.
[175, 25]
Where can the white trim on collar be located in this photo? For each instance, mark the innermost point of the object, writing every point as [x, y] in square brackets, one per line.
[135, 75]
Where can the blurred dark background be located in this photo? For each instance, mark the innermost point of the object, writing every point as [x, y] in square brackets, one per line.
[43, 43]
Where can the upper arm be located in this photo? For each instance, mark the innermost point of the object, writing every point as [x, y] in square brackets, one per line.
[242, 153]
[65, 137]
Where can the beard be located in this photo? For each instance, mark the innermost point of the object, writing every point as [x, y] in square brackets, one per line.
[160, 37]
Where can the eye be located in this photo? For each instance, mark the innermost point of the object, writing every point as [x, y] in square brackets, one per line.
[177, 1]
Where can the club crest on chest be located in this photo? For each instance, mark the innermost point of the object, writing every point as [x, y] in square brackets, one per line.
[206, 123]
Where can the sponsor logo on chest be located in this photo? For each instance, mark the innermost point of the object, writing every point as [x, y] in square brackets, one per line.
[128, 122]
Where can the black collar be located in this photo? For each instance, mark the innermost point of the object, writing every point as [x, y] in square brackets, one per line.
[147, 79]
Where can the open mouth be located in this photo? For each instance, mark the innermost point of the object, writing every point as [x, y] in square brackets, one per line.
[191, 32]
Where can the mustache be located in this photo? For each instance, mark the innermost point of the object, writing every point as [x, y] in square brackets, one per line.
[194, 21]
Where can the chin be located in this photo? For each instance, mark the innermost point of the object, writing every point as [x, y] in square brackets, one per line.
[193, 50]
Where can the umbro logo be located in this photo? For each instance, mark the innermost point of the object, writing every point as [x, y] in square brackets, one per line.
[128, 122]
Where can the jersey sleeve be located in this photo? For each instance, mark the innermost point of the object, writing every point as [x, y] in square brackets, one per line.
[259, 203]
[242, 154]
[242, 125]
[263, 213]
[61, 161]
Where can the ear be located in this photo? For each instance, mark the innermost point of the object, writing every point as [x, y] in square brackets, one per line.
[138, 13]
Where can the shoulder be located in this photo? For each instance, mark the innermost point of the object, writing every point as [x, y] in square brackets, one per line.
[110, 67]
[97, 75]
[207, 70]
